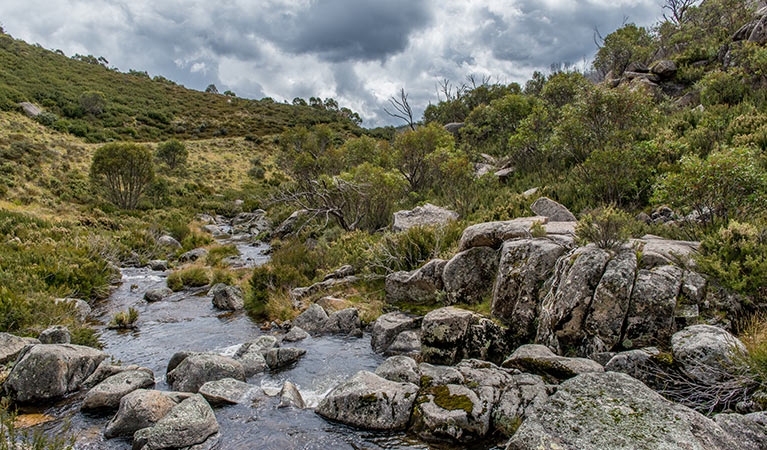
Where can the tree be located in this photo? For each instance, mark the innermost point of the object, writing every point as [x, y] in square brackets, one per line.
[93, 102]
[411, 151]
[173, 153]
[678, 10]
[298, 101]
[211, 89]
[229, 93]
[123, 171]
[402, 109]
[622, 47]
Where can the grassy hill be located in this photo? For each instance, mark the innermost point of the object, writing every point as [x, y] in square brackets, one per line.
[135, 106]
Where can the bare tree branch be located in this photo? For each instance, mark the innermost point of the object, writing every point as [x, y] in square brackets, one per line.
[402, 109]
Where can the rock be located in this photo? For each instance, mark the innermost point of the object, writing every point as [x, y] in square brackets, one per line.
[420, 286]
[57, 334]
[658, 252]
[388, 326]
[312, 320]
[407, 343]
[401, 369]
[106, 370]
[332, 304]
[523, 397]
[454, 412]
[168, 241]
[530, 192]
[295, 334]
[371, 402]
[540, 360]
[11, 346]
[494, 234]
[251, 354]
[439, 375]
[638, 67]
[227, 297]
[638, 364]
[342, 272]
[157, 294]
[290, 224]
[177, 359]
[504, 174]
[107, 394]
[469, 276]
[653, 302]
[664, 68]
[193, 255]
[346, 322]
[547, 207]
[278, 358]
[524, 267]
[226, 391]
[706, 353]
[426, 215]
[749, 431]
[139, 409]
[694, 287]
[639, 76]
[214, 230]
[81, 307]
[158, 264]
[454, 127]
[31, 110]
[614, 411]
[189, 423]
[198, 369]
[46, 372]
[482, 169]
[298, 294]
[449, 335]
[290, 396]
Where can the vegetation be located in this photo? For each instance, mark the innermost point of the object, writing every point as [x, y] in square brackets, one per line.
[606, 227]
[123, 172]
[124, 320]
[12, 437]
[173, 153]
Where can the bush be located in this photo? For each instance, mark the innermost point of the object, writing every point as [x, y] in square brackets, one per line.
[188, 277]
[123, 172]
[622, 47]
[410, 249]
[216, 254]
[173, 153]
[606, 227]
[260, 284]
[124, 320]
[721, 88]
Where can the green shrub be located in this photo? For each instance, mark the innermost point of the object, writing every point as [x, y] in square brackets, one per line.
[222, 276]
[173, 153]
[216, 254]
[260, 284]
[721, 88]
[409, 250]
[195, 240]
[188, 277]
[124, 320]
[122, 172]
[607, 227]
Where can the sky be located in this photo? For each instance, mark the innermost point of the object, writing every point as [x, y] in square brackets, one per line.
[360, 52]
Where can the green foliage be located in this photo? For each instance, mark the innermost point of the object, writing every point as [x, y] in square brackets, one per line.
[721, 88]
[93, 102]
[489, 127]
[617, 174]
[124, 320]
[122, 172]
[411, 152]
[410, 249]
[194, 276]
[562, 88]
[216, 254]
[261, 281]
[173, 153]
[606, 227]
[12, 438]
[622, 47]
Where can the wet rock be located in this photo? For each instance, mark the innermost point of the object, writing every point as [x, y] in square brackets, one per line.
[749, 431]
[158, 264]
[157, 294]
[556, 212]
[523, 397]
[290, 224]
[371, 402]
[419, 286]
[251, 354]
[524, 267]
[198, 369]
[140, 409]
[453, 412]
[407, 343]
[226, 391]
[312, 320]
[540, 360]
[388, 326]
[439, 375]
[81, 307]
[107, 394]
[494, 234]
[295, 334]
[278, 358]
[401, 369]
[290, 396]
[426, 215]
[177, 359]
[46, 372]
[105, 370]
[191, 422]
[193, 255]
[653, 302]
[11, 346]
[346, 322]
[706, 353]
[168, 241]
[227, 297]
[615, 411]
[469, 276]
[57, 334]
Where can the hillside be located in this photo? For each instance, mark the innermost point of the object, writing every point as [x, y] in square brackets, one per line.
[136, 107]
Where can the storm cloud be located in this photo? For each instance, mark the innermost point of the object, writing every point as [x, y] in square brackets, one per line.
[360, 52]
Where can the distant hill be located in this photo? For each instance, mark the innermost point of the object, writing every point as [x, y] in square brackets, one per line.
[83, 97]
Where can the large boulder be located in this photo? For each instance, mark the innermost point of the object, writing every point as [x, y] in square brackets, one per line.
[227, 297]
[453, 412]
[226, 391]
[189, 423]
[449, 335]
[407, 343]
[193, 255]
[57, 334]
[198, 369]
[401, 369]
[707, 354]
[469, 276]
[523, 397]
[524, 267]
[11, 346]
[614, 411]
[280, 357]
[388, 326]
[426, 215]
[312, 320]
[658, 252]
[664, 68]
[494, 234]
[140, 409]
[371, 402]
[539, 360]
[347, 322]
[653, 303]
[30, 109]
[46, 372]
[419, 286]
[556, 212]
[107, 394]
[750, 430]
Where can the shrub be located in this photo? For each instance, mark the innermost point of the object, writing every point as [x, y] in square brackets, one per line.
[173, 153]
[606, 227]
[222, 276]
[410, 249]
[721, 88]
[93, 102]
[260, 284]
[216, 254]
[622, 47]
[124, 320]
[188, 277]
[123, 172]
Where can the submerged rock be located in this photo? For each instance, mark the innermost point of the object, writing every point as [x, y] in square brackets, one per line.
[278, 358]
[226, 391]
[251, 354]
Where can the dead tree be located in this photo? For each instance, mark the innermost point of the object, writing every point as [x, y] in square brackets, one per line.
[402, 109]
[325, 199]
[677, 10]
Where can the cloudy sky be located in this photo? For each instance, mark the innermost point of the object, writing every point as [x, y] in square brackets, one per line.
[360, 52]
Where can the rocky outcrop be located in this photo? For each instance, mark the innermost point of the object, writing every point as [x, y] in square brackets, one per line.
[469, 276]
[658, 252]
[300, 293]
[226, 391]
[227, 297]
[539, 360]
[494, 234]
[706, 354]
[189, 423]
[197, 369]
[421, 216]
[523, 397]
[749, 431]
[371, 402]
[453, 412]
[139, 409]
[46, 372]
[157, 294]
[664, 69]
[401, 369]
[30, 109]
[407, 343]
[449, 335]
[615, 411]
[342, 272]
[388, 326]
[107, 394]
[653, 303]
[420, 286]
[556, 212]
[11, 346]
